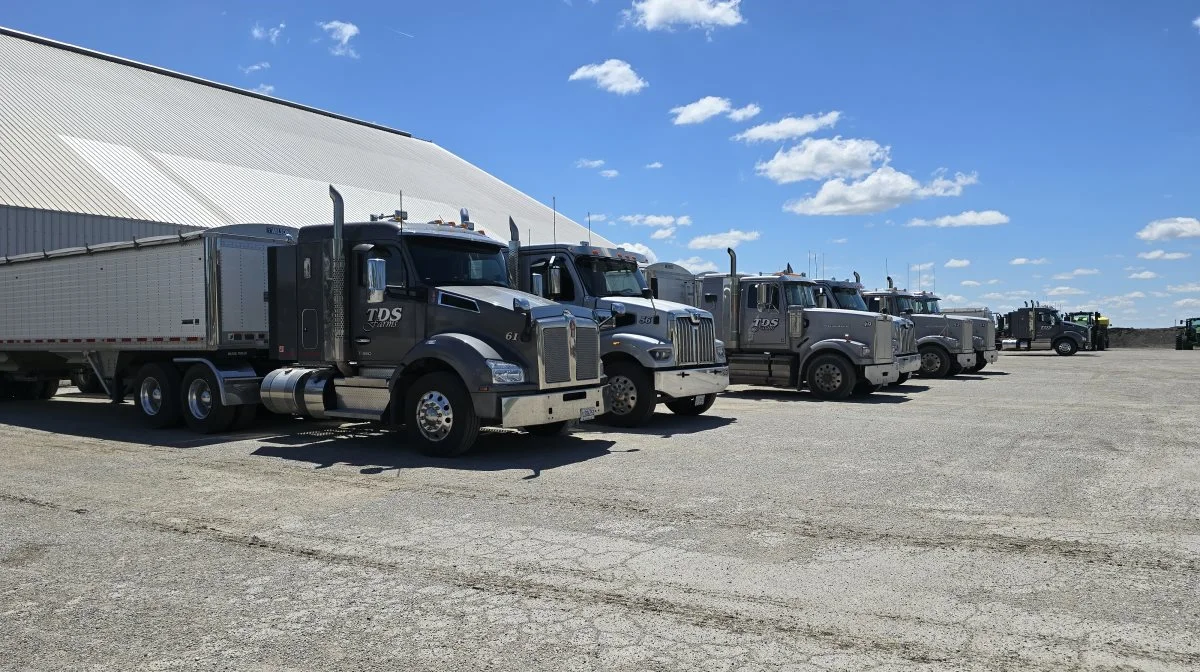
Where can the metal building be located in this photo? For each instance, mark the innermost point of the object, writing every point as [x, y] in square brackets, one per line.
[95, 148]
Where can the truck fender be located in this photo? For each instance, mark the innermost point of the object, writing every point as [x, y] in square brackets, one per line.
[461, 352]
[634, 345]
[851, 349]
[237, 382]
[936, 339]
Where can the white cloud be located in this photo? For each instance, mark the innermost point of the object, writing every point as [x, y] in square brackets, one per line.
[993, 281]
[884, 189]
[820, 158]
[697, 265]
[840, 241]
[1171, 228]
[1076, 273]
[717, 241]
[341, 32]
[614, 75]
[663, 233]
[654, 165]
[965, 218]
[598, 218]
[1144, 275]
[1007, 296]
[927, 266]
[684, 220]
[589, 163]
[1188, 303]
[1190, 288]
[743, 113]
[700, 111]
[958, 263]
[261, 65]
[666, 14]
[656, 220]
[265, 89]
[1196, 23]
[1159, 295]
[1164, 255]
[642, 250]
[970, 283]
[954, 298]
[269, 34]
[610, 173]
[789, 127]
[1064, 291]
[1022, 261]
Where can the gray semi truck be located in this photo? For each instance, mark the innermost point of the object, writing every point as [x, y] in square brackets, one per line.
[847, 295]
[983, 328]
[1038, 327]
[388, 321]
[654, 351]
[946, 344]
[776, 334]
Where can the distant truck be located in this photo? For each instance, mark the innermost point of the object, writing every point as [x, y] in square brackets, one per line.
[847, 295]
[983, 324]
[654, 351]
[1097, 326]
[946, 343]
[1038, 327]
[1187, 335]
[776, 335]
[388, 321]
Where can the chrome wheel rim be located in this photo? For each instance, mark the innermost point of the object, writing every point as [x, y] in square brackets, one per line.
[199, 399]
[435, 416]
[622, 395]
[827, 377]
[150, 396]
[930, 362]
[1064, 347]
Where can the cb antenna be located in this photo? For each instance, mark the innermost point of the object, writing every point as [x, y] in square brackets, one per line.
[589, 227]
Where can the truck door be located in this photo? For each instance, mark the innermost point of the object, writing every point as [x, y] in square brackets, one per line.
[1046, 326]
[384, 332]
[764, 325]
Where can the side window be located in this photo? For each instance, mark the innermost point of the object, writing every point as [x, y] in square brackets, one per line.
[875, 305]
[568, 286]
[752, 297]
[397, 273]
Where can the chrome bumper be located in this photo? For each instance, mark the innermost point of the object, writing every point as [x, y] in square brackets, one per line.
[882, 374]
[682, 383]
[990, 356]
[542, 409]
[909, 363]
[966, 360]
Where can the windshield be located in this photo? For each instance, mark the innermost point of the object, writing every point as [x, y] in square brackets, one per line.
[926, 307]
[450, 261]
[800, 294]
[602, 276]
[849, 298]
[905, 304]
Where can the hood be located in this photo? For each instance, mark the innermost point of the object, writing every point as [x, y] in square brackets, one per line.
[502, 297]
[842, 312]
[647, 304]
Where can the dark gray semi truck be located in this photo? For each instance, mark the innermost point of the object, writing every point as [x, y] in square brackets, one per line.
[388, 321]
[1038, 327]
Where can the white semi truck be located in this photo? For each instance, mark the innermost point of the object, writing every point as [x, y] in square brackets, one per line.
[388, 321]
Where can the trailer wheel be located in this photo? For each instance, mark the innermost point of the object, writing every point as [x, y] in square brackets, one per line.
[630, 393]
[201, 402]
[935, 361]
[87, 382]
[46, 389]
[439, 415]
[550, 429]
[156, 394]
[831, 377]
[1065, 347]
[688, 405]
[25, 390]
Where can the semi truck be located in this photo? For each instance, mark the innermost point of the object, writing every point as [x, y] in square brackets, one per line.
[946, 344]
[412, 324]
[775, 334]
[1096, 324]
[1038, 327]
[654, 351]
[983, 325]
[1187, 335]
[847, 295]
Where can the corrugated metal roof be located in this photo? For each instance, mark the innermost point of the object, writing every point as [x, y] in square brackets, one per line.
[89, 133]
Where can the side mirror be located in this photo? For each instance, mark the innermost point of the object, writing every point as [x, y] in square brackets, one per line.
[822, 298]
[764, 294]
[376, 280]
[647, 293]
[617, 309]
[555, 281]
[614, 310]
[539, 285]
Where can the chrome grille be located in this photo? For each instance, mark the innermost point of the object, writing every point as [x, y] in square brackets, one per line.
[882, 345]
[556, 354]
[587, 354]
[990, 339]
[965, 339]
[695, 342]
[908, 344]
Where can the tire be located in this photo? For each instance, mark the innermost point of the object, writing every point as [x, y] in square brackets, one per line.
[831, 377]
[1065, 347]
[935, 362]
[955, 369]
[687, 406]
[200, 402]
[865, 387]
[435, 402]
[87, 382]
[46, 389]
[244, 416]
[630, 394]
[980, 363]
[156, 395]
[551, 429]
[902, 379]
[25, 390]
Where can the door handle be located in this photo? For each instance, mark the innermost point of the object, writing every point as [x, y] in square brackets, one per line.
[362, 340]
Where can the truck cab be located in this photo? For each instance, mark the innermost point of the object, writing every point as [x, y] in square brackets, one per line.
[1038, 327]
[946, 344]
[847, 295]
[983, 329]
[654, 351]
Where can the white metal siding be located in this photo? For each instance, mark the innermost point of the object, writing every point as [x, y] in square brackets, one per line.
[243, 274]
[24, 230]
[123, 299]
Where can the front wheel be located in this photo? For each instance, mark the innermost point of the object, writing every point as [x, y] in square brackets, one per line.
[440, 416]
[902, 379]
[1065, 347]
[688, 405]
[935, 362]
[831, 377]
[980, 363]
[203, 410]
[630, 393]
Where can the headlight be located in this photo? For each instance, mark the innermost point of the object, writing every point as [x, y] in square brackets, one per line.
[866, 351]
[721, 353]
[660, 354]
[505, 373]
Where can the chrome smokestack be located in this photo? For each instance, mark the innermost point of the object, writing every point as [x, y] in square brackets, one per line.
[735, 301]
[336, 347]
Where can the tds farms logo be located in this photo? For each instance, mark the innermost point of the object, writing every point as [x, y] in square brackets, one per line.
[383, 318]
[764, 324]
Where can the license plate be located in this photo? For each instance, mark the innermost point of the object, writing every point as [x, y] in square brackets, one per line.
[699, 399]
[586, 414]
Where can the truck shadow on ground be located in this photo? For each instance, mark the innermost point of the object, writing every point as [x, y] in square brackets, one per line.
[770, 394]
[666, 425]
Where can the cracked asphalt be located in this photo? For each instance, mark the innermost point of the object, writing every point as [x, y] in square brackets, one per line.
[1044, 514]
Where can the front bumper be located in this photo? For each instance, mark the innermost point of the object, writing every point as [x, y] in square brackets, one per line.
[682, 383]
[909, 363]
[882, 374]
[526, 410]
[989, 356]
[965, 360]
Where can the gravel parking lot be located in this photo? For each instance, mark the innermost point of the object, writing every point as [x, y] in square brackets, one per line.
[1042, 514]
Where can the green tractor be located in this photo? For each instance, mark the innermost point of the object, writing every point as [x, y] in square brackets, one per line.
[1188, 335]
[1097, 326]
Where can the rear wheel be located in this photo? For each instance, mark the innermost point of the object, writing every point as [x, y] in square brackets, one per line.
[630, 393]
[46, 389]
[156, 394]
[831, 377]
[439, 415]
[87, 382]
[1065, 347]
[550, 429]
[935, 362]
[203, 410]
[688, 405]
[26, 390]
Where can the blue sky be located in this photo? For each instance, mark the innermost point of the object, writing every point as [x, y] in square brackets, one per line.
[961, 136]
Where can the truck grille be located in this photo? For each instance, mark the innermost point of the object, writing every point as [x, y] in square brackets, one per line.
[905, 337]
[989, 340]
[695, 342]
[556, 354]
[966, 340]
[587, 354]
